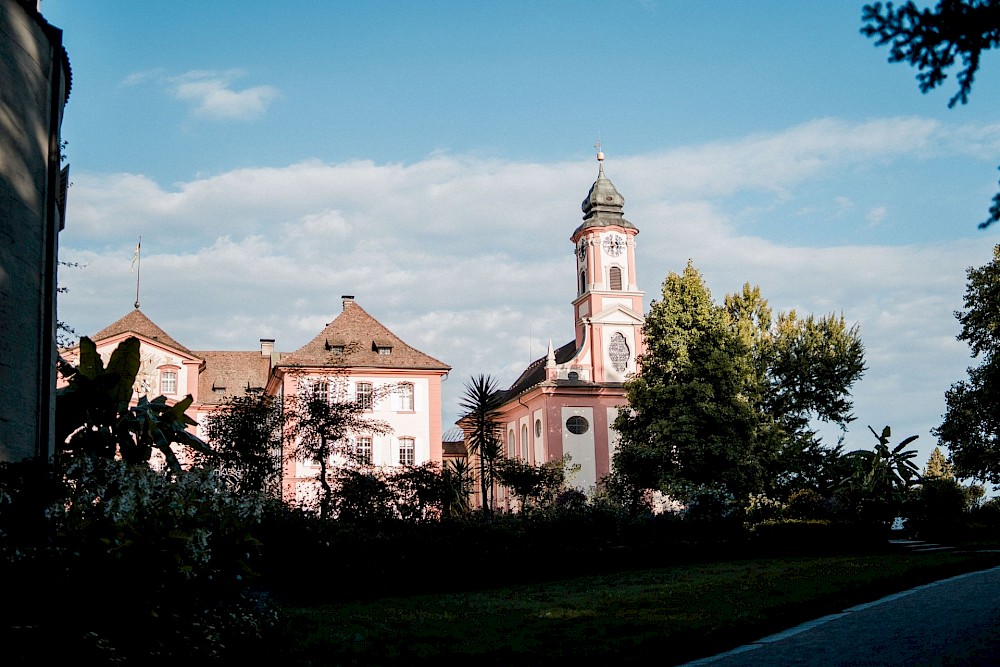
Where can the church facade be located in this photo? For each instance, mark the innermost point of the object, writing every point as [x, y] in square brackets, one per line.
[565, 403]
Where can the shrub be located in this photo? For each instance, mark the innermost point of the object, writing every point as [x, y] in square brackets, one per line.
[936, 509]
[131, 563]
[807, 504]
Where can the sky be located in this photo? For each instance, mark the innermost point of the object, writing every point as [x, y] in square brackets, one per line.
[430, 158]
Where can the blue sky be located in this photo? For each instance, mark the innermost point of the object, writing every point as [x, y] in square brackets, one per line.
[430, 158]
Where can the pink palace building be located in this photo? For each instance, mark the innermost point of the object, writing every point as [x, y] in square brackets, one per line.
[566, 402]
[354, 357]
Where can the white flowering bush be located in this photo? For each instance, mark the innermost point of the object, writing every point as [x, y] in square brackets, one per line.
[761, 508]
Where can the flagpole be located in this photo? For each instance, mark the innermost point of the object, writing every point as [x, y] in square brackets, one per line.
[138, 269]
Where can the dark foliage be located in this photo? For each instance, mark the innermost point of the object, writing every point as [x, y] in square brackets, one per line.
[934, 40]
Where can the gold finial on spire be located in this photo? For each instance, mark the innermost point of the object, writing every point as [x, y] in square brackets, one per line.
[600, 155]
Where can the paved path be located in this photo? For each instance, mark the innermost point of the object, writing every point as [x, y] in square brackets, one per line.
[951, 622]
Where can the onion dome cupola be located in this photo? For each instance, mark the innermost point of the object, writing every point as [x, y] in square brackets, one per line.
[603, 205]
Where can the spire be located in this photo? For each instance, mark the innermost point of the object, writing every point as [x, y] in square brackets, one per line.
[550, 356]
[603, 205]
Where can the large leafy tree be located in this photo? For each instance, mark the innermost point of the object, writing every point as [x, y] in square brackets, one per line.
[971, 426]
[803, 369]
[245, 434]
[318, 424]
[725, 395]
[692, 421]
[934, 40]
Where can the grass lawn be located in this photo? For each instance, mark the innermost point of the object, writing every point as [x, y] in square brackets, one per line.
[672, 615]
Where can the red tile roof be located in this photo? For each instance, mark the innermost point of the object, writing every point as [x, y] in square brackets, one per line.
[137, 323]
[232, 373]
[360, 336]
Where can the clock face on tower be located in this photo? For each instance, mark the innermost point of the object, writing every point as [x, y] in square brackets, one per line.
[614, 244]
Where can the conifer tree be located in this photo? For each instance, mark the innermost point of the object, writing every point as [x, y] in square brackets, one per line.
[938, 466]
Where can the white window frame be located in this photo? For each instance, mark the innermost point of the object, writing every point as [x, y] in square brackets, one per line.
[168, 381]
[364, 399]
[406, 394]
[363, 449]
[407, 451]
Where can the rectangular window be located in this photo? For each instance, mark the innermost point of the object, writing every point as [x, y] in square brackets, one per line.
[363, 450]
[168, 382]
[406, 451]
[321, 390]
[384, 351]
[363, 395]
[406, 397]
[616, 278]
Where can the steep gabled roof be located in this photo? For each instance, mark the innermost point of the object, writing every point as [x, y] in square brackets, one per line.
[137, 323]
[233, 372]
[352, 340]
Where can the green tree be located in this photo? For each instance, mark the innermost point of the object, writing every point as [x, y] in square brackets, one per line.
[317, 427]
[692, 420]
[933, 40]
[481, 404]
[725, 395]
[535, 485]
[938, 467]
[245, 434]
[803, 371]
[971, 425]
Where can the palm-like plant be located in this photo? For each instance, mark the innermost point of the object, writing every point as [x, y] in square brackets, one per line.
[882, 477]
[481, 404]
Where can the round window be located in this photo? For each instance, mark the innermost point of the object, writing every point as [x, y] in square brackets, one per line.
[577, 425]
[538, 428]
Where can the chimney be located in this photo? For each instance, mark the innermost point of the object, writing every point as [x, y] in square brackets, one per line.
[266, 347]
[348, 299]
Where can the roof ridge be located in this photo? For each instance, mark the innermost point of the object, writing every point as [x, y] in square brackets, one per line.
[353, 339]
[137, 322]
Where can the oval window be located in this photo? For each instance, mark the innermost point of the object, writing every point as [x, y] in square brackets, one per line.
[577, 425]
[538, 428]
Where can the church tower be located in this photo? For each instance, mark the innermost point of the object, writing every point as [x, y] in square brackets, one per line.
[566, 403]
[608, 305]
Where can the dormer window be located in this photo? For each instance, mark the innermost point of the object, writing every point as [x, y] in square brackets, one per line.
[384, 350]
[382, 347]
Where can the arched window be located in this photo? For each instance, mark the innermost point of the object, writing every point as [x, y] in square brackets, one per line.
[511, 445]
[618, 351]
[583, 281]
[524, 442]
[615, 278]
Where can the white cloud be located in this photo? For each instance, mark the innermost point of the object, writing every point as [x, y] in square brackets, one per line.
[876, 215]
[213, 96]
[469, 259]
